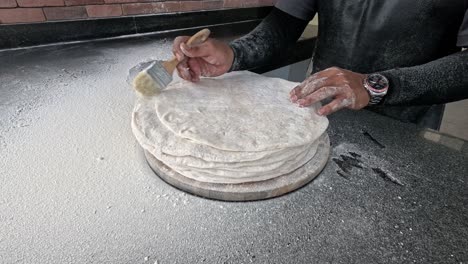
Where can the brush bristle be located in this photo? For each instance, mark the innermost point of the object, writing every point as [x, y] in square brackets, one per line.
[145, 85]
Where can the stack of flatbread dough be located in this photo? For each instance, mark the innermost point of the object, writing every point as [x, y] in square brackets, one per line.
[237, 128]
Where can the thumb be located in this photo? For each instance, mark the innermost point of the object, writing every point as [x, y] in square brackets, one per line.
[200, 50]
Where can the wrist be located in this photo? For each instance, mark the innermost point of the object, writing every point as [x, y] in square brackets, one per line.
[234, 62]
[231, 55]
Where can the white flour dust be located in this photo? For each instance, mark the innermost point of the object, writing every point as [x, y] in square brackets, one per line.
[74, 187]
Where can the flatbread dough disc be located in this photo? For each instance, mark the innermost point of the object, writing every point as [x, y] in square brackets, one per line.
[237, 128]
[187, 157]
[247, 191]
[239, 112]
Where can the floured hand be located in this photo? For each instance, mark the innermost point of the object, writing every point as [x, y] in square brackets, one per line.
[210, 59]
[345, 87]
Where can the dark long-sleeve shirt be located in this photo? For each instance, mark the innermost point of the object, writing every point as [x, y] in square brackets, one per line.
[413, 43]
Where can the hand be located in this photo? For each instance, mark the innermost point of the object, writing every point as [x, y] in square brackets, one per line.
[345, 87]
[210, 59]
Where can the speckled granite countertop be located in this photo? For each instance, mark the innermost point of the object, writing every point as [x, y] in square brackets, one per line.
[74, 186]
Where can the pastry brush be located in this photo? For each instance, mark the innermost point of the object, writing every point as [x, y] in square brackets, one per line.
[159, 74]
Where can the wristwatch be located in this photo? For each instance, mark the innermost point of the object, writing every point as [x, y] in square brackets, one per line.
[377, 87]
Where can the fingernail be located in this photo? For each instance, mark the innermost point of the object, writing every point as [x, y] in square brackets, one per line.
[293, 98]
[320, 112]
[301, 102]
[184, 47]
[179, 57]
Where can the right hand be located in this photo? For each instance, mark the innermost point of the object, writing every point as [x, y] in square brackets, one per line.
[210, 59]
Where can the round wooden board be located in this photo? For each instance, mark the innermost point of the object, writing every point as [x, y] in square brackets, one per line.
[247, 191]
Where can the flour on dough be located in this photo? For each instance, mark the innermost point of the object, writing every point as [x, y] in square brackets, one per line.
[237, 128]
[239, 112]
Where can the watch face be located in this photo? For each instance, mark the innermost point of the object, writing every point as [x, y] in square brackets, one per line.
[377, 82]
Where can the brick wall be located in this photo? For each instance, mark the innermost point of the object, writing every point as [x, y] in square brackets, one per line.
[33, 11]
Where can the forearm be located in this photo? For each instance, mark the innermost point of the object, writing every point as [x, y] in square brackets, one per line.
[268, 41]
[437, 82]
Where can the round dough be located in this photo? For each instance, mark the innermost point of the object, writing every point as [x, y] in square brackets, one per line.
[155, 138]
[240, 112]
[215, 131]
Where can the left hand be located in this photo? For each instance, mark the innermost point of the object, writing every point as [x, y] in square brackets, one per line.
[345, 87]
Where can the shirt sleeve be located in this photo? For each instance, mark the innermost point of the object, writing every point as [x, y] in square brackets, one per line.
[436, 82]
[268, 42]
[302, 9]
[463, 35]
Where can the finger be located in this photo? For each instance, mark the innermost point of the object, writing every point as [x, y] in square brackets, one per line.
[300, 90]
[176, 47]
[210, 71]
[329, 77]
[309, 86]
[314, 82]
[195, 69]
[294, 92]
[201, 50]
[319, 95]
[184, 71]
[193, 77]
[333, 106]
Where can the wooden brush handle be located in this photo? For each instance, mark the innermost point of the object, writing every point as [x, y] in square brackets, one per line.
[200, 37]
